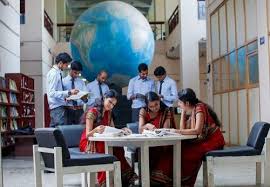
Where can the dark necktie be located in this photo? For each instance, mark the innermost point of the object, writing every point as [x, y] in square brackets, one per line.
[160, 87]
[100, 90]
[62, 81]
[73, 87]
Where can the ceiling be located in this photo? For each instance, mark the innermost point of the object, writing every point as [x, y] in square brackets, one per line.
[77, 7]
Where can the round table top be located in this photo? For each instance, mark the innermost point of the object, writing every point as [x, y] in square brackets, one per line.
[141, 137]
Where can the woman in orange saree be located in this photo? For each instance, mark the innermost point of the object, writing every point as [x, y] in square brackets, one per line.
[197, 118]
[154, 116]
[97, 118]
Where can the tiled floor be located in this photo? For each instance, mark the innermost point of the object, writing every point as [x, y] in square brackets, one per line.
[19, 173]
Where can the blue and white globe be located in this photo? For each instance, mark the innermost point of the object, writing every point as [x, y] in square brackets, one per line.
[114, 36]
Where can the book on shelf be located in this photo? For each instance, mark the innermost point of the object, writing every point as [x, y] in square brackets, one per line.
[12, 85]
[13, 98]
[13, 125]
[3, 111]
[3, 124]
[28, 97]
[13, 112]
[3, 83]
[3, 97]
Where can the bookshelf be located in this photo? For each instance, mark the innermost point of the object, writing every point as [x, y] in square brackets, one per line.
[25, 99]
[9, 115]
[22, 111]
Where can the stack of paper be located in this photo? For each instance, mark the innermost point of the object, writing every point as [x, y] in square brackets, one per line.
[111, 132]
[159, 132]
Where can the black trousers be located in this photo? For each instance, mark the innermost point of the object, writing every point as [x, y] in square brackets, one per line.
[73, 116]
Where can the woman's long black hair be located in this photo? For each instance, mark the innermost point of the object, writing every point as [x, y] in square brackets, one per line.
[99, 104]
[188, 95]
[152, 96]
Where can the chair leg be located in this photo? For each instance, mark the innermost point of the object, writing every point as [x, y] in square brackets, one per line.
[267, 162]
[205, 176]
[117, 174]
[92, 179]
[84, 179]
[58, 166]
[258, 173]
[210, 171]
[139, 167]
[37, 166]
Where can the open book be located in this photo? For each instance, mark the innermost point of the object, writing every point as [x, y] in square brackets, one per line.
[79, 95]
[159, 133]
[111, 132]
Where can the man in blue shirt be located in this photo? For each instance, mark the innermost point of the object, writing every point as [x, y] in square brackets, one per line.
[165, 87]
[137, 88]
[97, 88]
[55, 90]
[74, 108]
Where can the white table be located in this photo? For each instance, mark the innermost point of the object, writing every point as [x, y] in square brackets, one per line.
[144, 143]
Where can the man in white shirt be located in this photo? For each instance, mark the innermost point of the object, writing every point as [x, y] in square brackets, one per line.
[165, 87]
[97, 88]
[74, 108]
[137, 88]
[55, 90]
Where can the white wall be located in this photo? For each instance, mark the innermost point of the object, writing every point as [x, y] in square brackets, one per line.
[36, 58]
[170, 7]
[10, 38]
[192, 30]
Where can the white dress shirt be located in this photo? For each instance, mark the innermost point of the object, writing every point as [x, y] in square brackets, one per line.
[79, 85]
[93, 88]
[139, 86]
[168, 91]
[55, 91]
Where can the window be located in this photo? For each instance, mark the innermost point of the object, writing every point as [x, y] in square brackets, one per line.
[217, 81]
[233, 71]
[225, 73]
[241, 57]
[253, 69]
[201, 9]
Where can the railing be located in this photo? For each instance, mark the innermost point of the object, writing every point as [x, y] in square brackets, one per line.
[64, 30]
[174, 19]
[48, 24]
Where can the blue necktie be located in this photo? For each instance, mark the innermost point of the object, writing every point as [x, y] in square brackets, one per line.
[73, 87]
[160, 87]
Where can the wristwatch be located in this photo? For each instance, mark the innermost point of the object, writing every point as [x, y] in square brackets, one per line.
[69, 93]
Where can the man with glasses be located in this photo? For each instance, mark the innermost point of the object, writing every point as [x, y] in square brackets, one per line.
[97, 88]
[74, 108]
[56, 91]
[137, 88]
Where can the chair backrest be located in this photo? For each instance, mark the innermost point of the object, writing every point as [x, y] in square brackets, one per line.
[50, 138]
[257, 135]
[134, 127]
[72, 134]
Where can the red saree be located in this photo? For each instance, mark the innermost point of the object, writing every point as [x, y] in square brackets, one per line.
[194, 151]
[128, 176]
[161, 158]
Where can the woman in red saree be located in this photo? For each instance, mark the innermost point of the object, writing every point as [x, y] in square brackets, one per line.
[96, 119]
[204, 123]
[157, 115]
